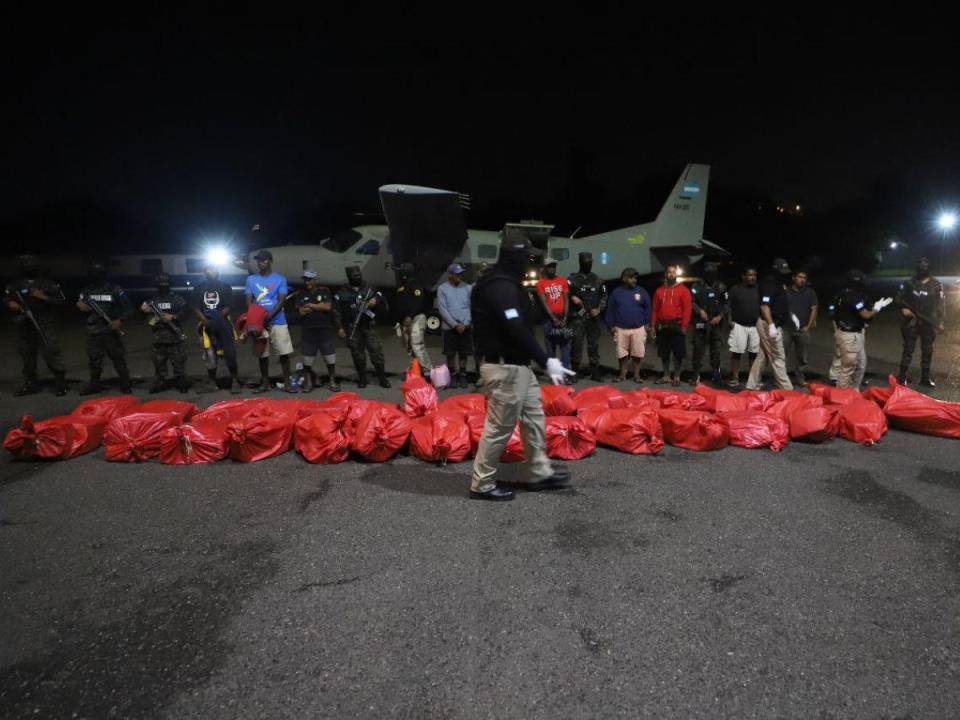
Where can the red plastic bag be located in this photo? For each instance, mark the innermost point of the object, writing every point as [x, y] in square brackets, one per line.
[604, 395]
[815, 424]
[514, 451]
[631, 430]
[184, 409]
[195, 444]
[694, 429]
[381, 433]
[674, 399]
[836, 396]
[260, 435]
[783, 409]
[558, 400]
[909, 410]
[591, 415]
[136, 437]
[640, 399]
[88, 434]
[757, 429]
[324, 438]
[862, 422]
[877, 395]
[340, 399]
[724, 403]
[568, 438]
[47, 440]
[233, 410]
[419, 397]
[467, 403]
[780, 395]
[108, 407]
[820, 391]
[440, 438]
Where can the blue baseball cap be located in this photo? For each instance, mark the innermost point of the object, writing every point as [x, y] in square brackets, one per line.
[456, 269]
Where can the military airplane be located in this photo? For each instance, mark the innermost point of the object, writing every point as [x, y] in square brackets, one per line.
[426, 226]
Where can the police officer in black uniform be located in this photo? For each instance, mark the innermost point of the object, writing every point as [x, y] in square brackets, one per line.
[364, 340]
[105, 336]
[211, 301]
[922, 309]
[852, 313]
[412, 303]
[708, 298]
[503, 330]
[588, 297]
[36, 295]
[319, 323]
[168, 335]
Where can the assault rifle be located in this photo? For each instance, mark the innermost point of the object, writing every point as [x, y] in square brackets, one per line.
[158, 318]
[361, 309]
[15, 297]
[101, 313]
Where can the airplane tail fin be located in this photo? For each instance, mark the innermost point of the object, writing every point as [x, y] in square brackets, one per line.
[680, 221]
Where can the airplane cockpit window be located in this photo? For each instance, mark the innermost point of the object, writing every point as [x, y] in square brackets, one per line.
[560, 254]
[370, 247]
[487, 252]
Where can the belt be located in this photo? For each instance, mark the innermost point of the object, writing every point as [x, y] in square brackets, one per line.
[848, 328]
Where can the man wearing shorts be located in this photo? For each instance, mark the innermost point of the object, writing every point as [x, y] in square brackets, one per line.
[743, 302]
[627, 314]
[319, 326]
[269, 290]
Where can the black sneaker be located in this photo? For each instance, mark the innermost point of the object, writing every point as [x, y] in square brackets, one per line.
[927, 382]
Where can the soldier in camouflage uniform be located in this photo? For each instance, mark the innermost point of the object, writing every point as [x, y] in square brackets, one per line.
[105, 338]
[364, 340]
[708, 300]
[588, 296]
[37, 294]
[168, 335]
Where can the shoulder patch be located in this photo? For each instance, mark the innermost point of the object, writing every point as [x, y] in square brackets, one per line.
[859, 305]
[511, 313]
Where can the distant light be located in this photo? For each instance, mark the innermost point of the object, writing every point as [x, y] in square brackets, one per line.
[947, 221]
[798, 208]
[532, 274]
[218, 256]
[893, 245]
[679, 272]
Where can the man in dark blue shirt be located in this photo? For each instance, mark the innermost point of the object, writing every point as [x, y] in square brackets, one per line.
[627, 315]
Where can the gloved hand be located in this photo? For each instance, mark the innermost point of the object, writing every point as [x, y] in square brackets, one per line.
[773, 331]
[881, 304]
[796, 320]
[557, 371]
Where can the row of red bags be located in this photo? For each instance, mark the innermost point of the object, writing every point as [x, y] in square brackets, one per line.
[328, 431]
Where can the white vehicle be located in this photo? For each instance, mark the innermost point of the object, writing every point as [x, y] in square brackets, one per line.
[676, 235]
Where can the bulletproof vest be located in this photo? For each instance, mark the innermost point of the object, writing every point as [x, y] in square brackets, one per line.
[109, 297]
[588, 287]
[923, 297]
[709, 297]
[40, 309]
[172, 304]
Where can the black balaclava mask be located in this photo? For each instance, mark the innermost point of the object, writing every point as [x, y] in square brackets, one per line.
[710, 273]
[163, 284]
[923, 268]
[586, 262]
[354, 277]
[98, 271]
[514, 259]
[856, 279]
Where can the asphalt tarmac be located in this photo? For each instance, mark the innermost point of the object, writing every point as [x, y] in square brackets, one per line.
[821, 582]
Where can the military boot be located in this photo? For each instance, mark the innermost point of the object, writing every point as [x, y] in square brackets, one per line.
[362, 378]
[595, 372]
[92, 388]
[382, 375]
[60, 385]
[158, 385]
[30, 387]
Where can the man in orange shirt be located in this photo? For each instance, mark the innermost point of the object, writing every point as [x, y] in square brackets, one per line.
[672, 304]
[554, 294]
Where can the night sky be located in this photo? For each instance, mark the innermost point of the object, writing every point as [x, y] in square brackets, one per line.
[181, 125]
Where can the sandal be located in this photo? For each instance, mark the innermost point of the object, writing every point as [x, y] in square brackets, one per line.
[675, 382]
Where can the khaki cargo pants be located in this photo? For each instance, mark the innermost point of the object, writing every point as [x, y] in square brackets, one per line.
[414, 340]
[513, 394]
[771, 351]
[852, 348]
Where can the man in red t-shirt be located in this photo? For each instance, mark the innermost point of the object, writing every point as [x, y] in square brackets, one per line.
[554, 294]
[672, 303]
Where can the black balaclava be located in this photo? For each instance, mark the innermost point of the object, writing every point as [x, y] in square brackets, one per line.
[354, 277]
[856, 279]
[98, 271]
[923, 268]
[514, 259]
[586, 262]
[163, 283]
[710, 273]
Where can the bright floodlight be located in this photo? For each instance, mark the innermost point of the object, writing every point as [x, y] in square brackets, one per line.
[947, 221]
[893, 245]
[218, 256]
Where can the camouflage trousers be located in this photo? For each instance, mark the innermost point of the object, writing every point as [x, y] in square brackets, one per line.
[712, 337]
[365, 341]
[106, 344]
[172, 353]
[29, 345]
[589, 329]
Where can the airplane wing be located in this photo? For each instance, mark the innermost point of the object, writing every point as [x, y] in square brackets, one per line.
[427, 228]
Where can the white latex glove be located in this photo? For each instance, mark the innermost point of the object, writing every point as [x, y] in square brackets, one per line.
[773, 332]
[881, 304]
[557, 371]
[796, 320]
